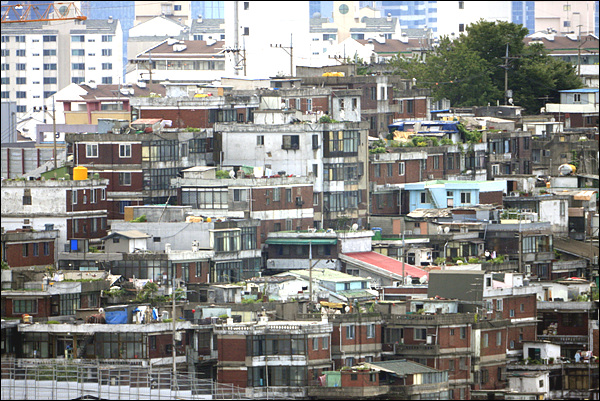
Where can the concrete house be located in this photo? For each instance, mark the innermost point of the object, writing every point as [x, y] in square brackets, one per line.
[76, 208]
[441, 194]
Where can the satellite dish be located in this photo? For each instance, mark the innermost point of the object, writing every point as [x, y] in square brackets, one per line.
[232, 174]
[347, 308]
[354, 227]
[440, 229]
[446, 229]
[423, 279]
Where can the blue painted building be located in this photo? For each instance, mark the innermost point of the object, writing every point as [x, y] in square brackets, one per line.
[440, 194]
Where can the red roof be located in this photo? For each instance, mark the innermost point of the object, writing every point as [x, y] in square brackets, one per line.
[390, 264]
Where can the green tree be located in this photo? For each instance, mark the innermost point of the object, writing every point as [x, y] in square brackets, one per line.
[453, 72]
[470, 70]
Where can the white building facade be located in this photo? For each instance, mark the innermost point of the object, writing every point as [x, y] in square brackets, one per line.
[41, 58]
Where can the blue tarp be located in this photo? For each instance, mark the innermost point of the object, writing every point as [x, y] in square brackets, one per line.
[116, 317]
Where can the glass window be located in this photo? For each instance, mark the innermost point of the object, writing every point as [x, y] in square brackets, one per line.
[25, 306]
[350, 331]
[91, 150]
[125, 150]
[125, 178]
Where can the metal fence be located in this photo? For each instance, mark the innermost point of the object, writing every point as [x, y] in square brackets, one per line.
[22, 380]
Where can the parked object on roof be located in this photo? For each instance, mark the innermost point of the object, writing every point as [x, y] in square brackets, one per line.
[566, 169]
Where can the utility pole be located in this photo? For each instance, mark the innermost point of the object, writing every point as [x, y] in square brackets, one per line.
[506, 58]
[54, 134]
[289, 50]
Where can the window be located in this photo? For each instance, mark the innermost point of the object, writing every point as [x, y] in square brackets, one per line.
[350, 332]
[315, 342]
[78, 52]
[420, 334]
[107, 52]
[21, 81]
[91, 150]
[50, 80]
[78, 66]
[27, 197]
[20, 39]
[390, 168]
[522, 308]
[21, 94]
[246, 5]
[512, 313]
[107, 66]
[461, 27]
[371, 330]
[498, 304]
[499, 338]
[49, 38]
[309, 104]
[5, 39]
[25, 306]
[5, 67]
[465, 197]
[107, 38]
[325, 342]
[21, 66]
[377, 170]
[125, 178]
[125, 150]
[576, 97]
[463, 332]
[288, 195]
[177, 7]
[5, 53]
[47, 94]
[246, 31]
[46, 248]
[78, 38]
[291, 142]
[451, 332]
[276, 194]
[485, 340]
[512, 344]
[74, 197]
[93, 196]
[451, 364]
[315, 142]
[401, 167]
[461, 5]
[260, 140]
[77, 80]
[49, 52]
[21, 53]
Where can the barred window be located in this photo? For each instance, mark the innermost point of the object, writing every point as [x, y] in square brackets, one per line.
[25, 306]
[69, 303]
[248, 238]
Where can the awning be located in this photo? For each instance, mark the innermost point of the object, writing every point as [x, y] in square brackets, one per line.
[301, 241]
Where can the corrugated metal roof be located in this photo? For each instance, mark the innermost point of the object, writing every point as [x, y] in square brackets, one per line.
[301, 241]
[402, 367]
[386, 263]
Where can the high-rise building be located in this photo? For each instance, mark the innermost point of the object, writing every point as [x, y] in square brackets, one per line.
[523, 12]
[124, 11]
[42, 57]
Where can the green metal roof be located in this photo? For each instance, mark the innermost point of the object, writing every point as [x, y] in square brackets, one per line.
[301, 241]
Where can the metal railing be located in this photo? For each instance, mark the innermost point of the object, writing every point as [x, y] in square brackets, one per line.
[59, 380]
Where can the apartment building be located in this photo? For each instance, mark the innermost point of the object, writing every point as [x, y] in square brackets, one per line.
[89, 51]
[273, 358]
[76, 208]
[139, 166]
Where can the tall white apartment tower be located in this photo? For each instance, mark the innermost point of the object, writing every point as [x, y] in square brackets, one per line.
[41, 58]
[269, 38]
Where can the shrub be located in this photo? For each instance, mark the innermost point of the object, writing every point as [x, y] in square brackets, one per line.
[222, 174]
[140, 219]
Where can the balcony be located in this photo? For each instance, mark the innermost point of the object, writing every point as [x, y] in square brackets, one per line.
[500, 157]
[417, 349]
[428, 320]
[564, 340]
